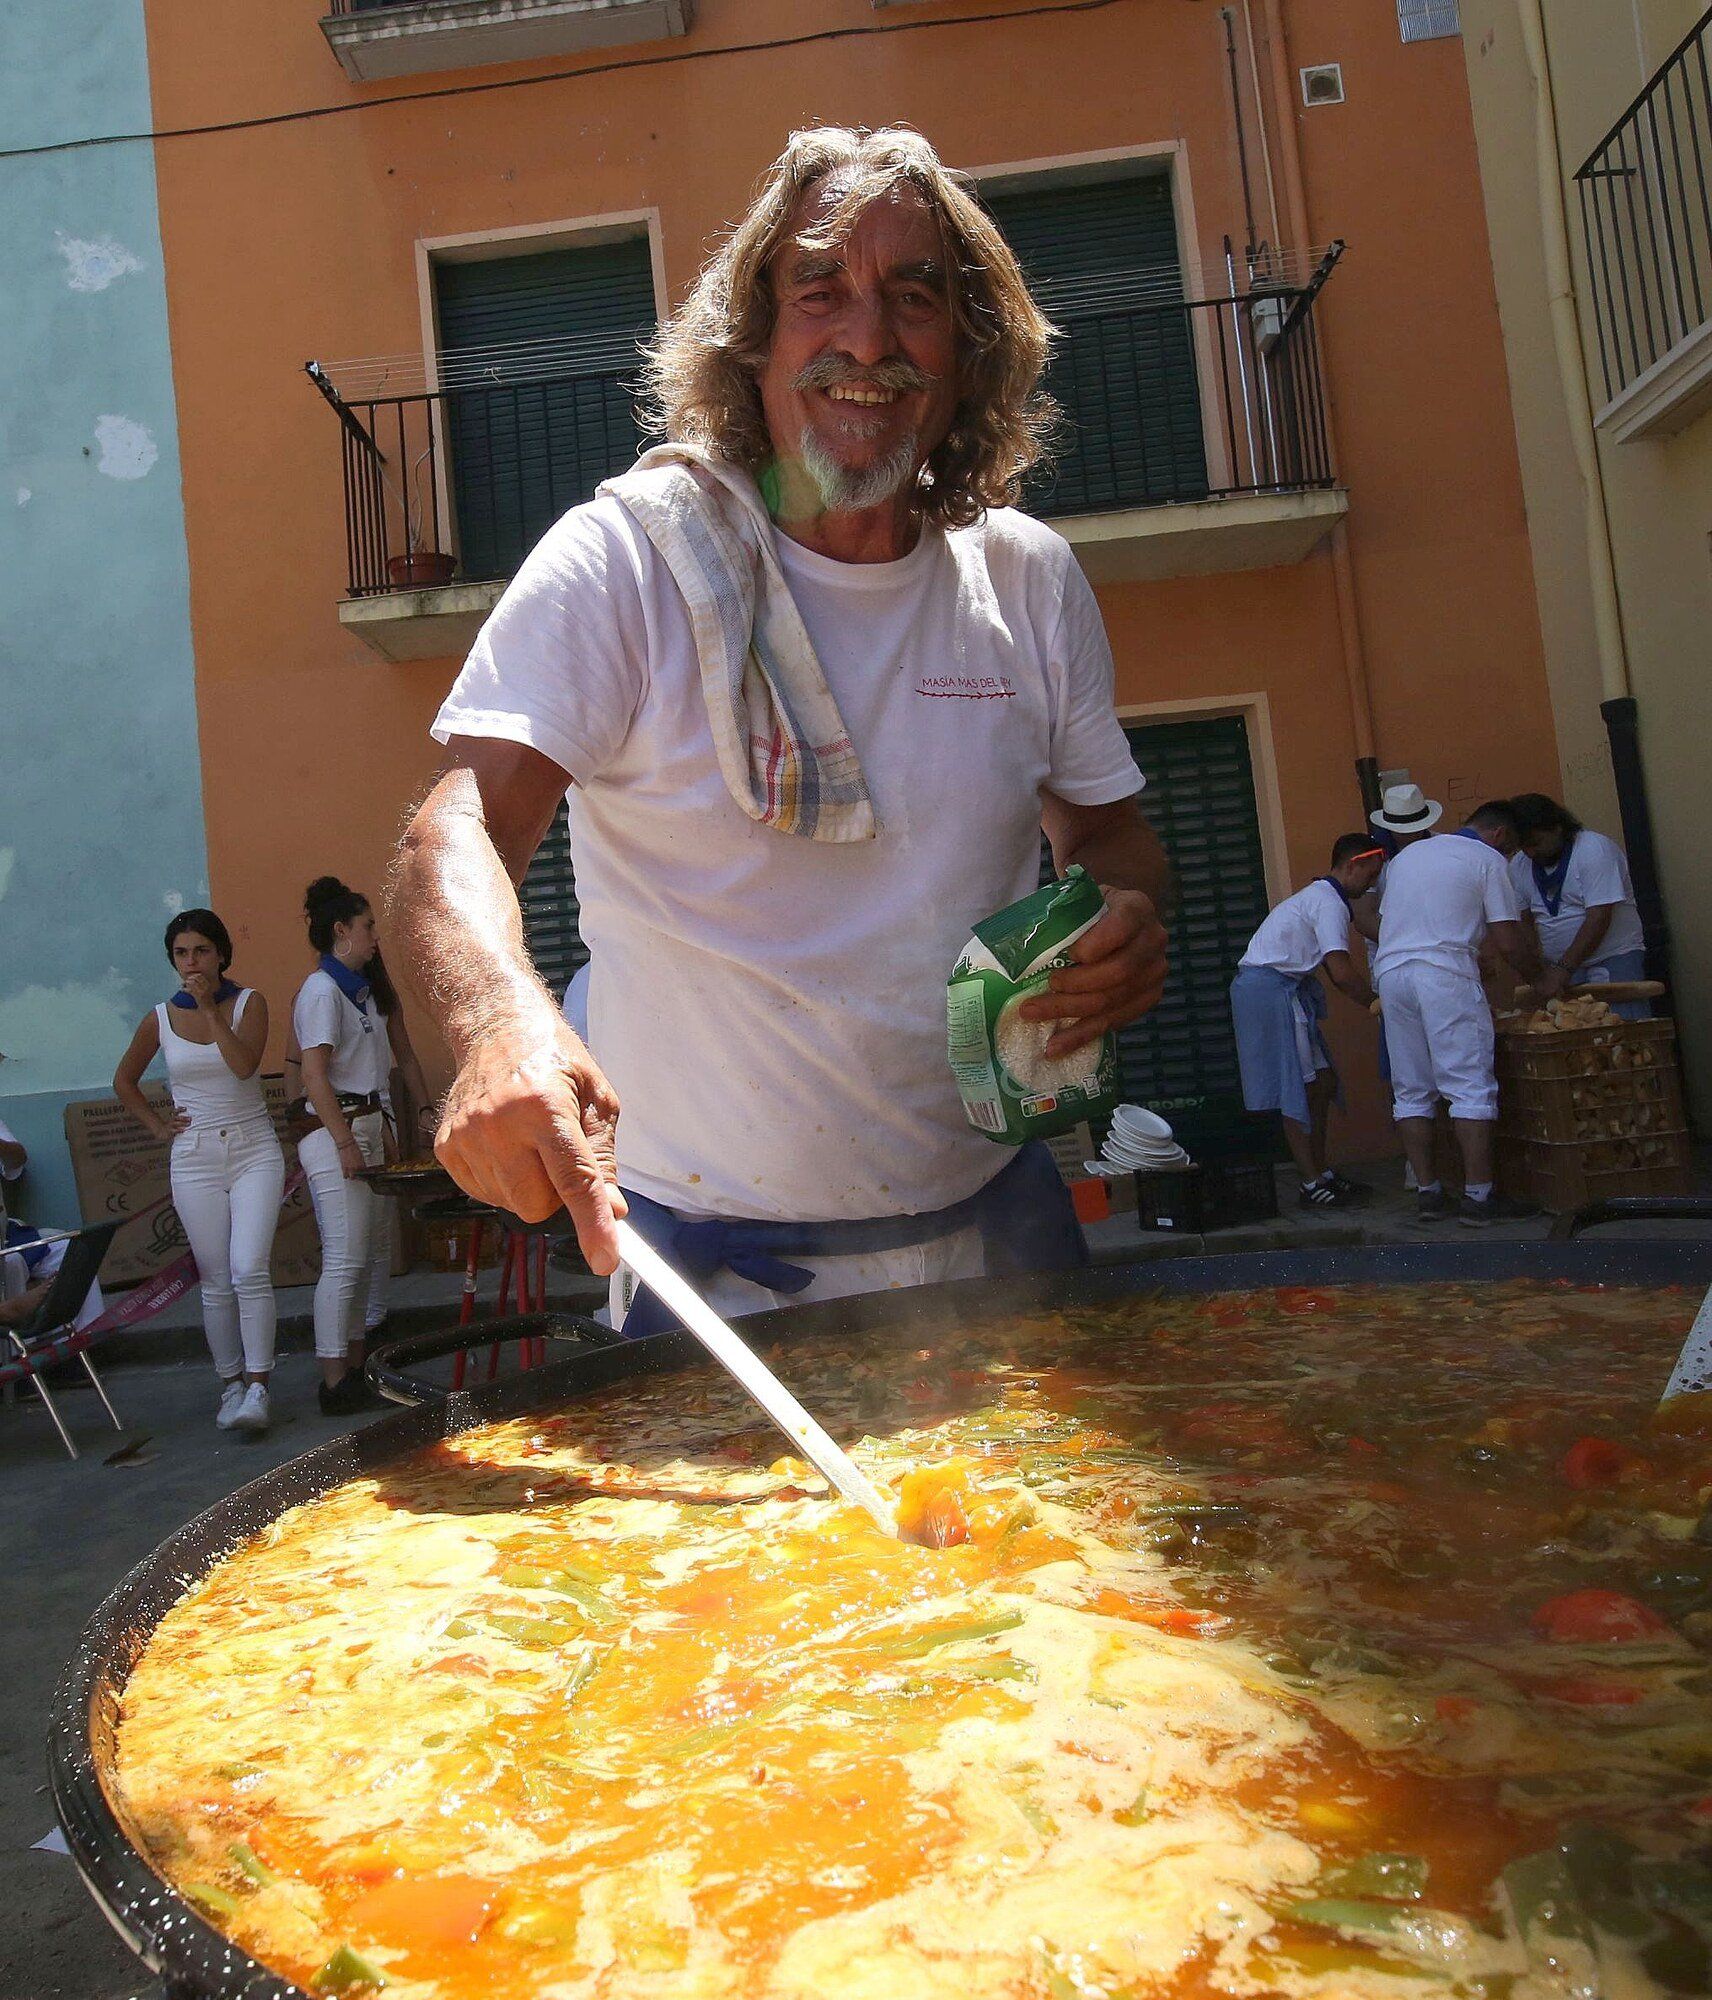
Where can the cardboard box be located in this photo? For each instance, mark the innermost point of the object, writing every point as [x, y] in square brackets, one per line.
[1070, 1149]
[122, 1171]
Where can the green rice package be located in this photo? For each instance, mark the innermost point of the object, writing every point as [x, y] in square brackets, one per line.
[1011, 1089]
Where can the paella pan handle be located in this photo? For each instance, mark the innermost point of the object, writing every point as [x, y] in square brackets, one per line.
[1633, 1208]
[388, 1366]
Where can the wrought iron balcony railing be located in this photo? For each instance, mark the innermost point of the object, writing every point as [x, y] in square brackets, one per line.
[1198, 400]
[1162, 403]
[463, 482]
[1647, 218]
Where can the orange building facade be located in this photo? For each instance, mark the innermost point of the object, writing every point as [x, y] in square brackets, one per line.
[1337, 560]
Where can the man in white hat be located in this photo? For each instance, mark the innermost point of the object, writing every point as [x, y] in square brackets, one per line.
[1443, 896]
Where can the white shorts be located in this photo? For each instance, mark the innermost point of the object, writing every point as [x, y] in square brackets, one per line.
[1438, 1035]
[956, 1256]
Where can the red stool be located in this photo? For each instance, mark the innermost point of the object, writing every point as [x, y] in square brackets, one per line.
[514, 1275]
[523, 1245]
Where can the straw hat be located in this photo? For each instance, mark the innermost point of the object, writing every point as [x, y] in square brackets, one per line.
[1406, 809]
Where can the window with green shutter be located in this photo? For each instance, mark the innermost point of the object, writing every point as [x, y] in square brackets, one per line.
[539, 360]
[1103, 261]
[1181, 1060]
[548, 894]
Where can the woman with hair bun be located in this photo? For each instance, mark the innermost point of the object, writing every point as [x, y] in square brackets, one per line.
[346, 1061]
[403, 1142]
[228, 1172]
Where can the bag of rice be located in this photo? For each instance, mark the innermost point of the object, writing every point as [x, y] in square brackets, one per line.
[1011, 1089]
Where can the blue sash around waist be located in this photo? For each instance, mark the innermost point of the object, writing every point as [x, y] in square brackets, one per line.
[1024, 1214]
[1264, 1001]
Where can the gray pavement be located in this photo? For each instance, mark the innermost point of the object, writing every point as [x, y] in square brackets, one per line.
[72, 1530]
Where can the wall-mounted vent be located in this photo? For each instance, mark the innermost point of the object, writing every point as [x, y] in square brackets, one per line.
[1323, 84]
[1427, 20]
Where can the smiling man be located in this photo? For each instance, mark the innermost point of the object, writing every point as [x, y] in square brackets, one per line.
[815, 688]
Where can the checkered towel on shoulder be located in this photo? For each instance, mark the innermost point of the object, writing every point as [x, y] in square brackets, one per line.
[783, 750]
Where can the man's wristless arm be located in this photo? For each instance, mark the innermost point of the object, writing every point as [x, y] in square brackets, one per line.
[454, 903]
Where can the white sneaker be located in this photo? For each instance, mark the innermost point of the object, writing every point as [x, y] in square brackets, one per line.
[253, 1410]
[231, 1402]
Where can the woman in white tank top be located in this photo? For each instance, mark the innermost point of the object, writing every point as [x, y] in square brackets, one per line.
[228, 1172]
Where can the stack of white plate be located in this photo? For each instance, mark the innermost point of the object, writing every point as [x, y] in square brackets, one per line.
[1139, 1142]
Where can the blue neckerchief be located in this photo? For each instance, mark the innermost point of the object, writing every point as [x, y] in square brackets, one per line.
[227, 992]
[352, 984]
[1550, 881]
[1348, 900]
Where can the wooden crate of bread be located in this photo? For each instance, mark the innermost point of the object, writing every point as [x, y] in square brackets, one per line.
[1589, 1106]
[1573, 1110]
[1539, 1053]
[1561, 1178]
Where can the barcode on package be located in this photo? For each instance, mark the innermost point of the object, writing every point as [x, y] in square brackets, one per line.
[986, 1114]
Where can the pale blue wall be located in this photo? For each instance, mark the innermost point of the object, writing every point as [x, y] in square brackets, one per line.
[101, 830]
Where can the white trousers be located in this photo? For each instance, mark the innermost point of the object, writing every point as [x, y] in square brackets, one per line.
[384, 1236]
[344, 1214]
[227, 1183]
[1438, 1034]
[959, 1255]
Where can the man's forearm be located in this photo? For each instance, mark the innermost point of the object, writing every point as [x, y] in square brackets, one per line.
[1586, 942]
[455, 911]
[530, 1122]
[1511, 941]
[1123, 853]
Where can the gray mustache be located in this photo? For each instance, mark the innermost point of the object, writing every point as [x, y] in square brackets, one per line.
[831, 371]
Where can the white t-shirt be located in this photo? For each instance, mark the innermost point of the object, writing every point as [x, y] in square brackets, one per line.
[770, 1009]
[1301, 931]
[322, 1017]
[1440, 895]
[1597, 877]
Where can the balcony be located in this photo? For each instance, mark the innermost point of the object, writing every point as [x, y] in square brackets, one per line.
[1194, 443]
[1194, 437]
[374, 39]
[1646, 223]
[447, 490]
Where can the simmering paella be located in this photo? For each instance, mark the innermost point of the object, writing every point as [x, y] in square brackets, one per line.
[1273, 1643]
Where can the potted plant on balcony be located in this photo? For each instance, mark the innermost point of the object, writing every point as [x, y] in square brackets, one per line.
[420, 569]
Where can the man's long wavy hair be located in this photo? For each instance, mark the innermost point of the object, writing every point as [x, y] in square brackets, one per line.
[701, 382]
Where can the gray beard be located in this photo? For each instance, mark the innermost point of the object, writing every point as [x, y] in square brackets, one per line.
[843, 491]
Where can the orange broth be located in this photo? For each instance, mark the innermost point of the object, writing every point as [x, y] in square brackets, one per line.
[1256, 1644]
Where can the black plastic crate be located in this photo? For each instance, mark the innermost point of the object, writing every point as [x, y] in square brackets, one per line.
[1207, 1194]
[1237, 1191]
[1172, 1201]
